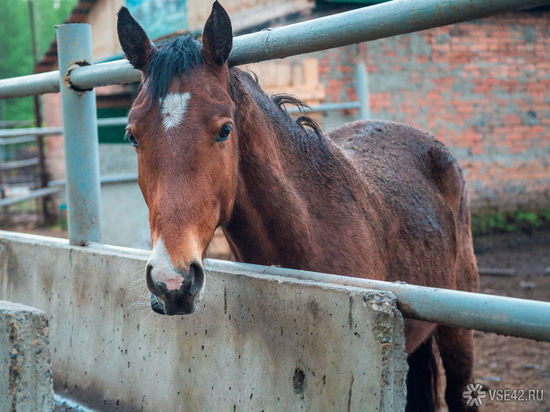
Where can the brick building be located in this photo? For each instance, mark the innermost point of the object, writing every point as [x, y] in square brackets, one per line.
[482, 87]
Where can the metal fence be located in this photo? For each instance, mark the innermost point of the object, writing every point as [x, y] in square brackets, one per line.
[75, 83]
[20, 166]
[23, 137]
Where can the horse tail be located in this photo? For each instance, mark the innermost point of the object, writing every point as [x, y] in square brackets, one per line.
[447, 175]
[422, 379]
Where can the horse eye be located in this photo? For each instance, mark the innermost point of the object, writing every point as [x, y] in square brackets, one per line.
[130, 137]
[224, 132]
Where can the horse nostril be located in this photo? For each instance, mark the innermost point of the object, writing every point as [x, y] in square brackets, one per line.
[157, 306]
[153, 286]
[148, 275]
[196, 274]
[170, 300]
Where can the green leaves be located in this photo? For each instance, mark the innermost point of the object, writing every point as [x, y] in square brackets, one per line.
[505, 222]
[16, 48]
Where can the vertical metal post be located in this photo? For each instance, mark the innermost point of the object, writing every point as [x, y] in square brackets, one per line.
[74, 48]
[363, 91]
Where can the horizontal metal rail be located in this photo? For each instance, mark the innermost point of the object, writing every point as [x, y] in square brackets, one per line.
[46, 131]
[112, 179]
[15, 182]
[368, 23]
[58, 186]
[28, 85]
[14, 123]
[18, 164]
[30, 131]
[17, 140]
[14, 136]
[489, 313]
[112, 121]
[327, 107]
[45, 191]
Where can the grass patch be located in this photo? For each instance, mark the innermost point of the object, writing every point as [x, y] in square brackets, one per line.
[512, 221]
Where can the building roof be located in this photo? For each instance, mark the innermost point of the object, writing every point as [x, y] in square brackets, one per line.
[78, 15]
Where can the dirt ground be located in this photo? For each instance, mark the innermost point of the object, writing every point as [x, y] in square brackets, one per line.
[514, 363]
[501, 362]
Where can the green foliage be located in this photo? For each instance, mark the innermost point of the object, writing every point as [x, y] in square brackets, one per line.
[545, 215]
[15, 44]
[505, 222]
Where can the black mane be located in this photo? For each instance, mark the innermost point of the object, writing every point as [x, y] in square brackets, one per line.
[182, 54]
[304, 132]
[281, 99]
[174, 57]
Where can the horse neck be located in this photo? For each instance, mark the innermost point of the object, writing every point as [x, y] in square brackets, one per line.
[280, 185]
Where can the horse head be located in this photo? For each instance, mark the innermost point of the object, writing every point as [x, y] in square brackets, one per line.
[182, 128]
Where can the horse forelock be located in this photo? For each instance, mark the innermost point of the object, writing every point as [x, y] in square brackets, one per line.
[174, 58]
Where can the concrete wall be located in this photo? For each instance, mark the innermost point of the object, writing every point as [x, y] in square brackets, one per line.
[25, 363]
[259, 342]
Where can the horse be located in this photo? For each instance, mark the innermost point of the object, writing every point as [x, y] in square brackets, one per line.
[371, 199]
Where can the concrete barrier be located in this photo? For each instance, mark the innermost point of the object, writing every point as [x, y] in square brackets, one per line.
[260, 342]
[25, 363]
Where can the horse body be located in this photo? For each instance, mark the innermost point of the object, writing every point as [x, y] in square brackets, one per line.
[376, 200]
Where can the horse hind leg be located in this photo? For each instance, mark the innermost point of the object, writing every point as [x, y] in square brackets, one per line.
[422, 379]
[456, 347]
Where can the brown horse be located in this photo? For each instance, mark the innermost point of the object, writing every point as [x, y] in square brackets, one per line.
[378, 200]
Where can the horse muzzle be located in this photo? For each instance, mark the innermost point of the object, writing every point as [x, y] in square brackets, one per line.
[175, 294]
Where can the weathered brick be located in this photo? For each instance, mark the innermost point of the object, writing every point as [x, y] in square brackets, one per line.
[480, 85]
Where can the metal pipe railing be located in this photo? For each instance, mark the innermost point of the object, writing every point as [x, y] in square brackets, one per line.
[363, 90]
[18, 164]
[29, 85]
[110, 179]
[57, 186]
[17, 140]
[46, 131]
[74, 46]
[10, 136]
[368, 23]
[489, 313]
[34, 194]
[35, 131]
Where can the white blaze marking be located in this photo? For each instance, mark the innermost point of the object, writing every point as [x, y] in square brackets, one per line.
[163, 271]
[173, 108]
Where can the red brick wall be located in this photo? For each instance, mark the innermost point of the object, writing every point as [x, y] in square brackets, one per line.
[55, 155]
[482, 87]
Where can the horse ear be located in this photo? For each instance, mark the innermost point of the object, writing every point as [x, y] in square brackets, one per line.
[217, 37]
[136, 45]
